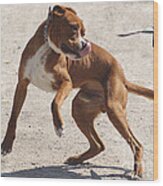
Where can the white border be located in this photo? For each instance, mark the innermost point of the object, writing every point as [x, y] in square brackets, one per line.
[62, 182]
[55, 1]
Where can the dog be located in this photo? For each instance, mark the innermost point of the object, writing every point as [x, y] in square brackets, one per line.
[59, 58]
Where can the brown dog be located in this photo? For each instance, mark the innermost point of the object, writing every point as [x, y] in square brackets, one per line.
[58, 57]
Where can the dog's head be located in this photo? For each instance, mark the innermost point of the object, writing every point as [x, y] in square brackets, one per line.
[66, 33]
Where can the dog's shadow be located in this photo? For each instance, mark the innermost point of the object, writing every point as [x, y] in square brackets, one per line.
[68, 172]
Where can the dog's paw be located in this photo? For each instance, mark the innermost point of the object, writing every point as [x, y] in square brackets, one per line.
[5, 152]
[135, 176]
[138, 170]
[73, 160]
[5, 149]
[59, 131]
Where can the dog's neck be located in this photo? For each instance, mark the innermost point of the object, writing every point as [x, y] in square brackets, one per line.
[46, 30]
[47, 39]
[53, 46]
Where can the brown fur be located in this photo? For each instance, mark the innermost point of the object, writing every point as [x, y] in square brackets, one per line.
[103, 88]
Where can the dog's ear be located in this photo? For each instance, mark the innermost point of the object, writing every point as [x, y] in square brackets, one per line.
[71, 10]
[50, 16]
[58, 10]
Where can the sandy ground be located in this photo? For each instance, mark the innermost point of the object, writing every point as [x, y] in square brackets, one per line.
[37, 151]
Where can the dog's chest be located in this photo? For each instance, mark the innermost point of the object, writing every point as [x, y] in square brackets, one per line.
[35, 70]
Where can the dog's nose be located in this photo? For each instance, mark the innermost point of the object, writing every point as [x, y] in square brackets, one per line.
[83, 43]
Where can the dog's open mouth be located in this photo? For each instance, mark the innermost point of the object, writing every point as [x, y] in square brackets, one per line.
[67, 50]
[86, 49]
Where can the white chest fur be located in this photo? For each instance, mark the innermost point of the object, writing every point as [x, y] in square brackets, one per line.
[35, 69]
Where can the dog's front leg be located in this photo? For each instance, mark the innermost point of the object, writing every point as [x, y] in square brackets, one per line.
[62, 93]
[19, 98]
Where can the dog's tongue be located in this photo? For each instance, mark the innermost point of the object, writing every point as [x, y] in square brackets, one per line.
[85, 50]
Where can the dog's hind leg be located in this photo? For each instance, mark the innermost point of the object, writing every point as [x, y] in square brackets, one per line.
[116, 100]
[84, 110]
[19, 98]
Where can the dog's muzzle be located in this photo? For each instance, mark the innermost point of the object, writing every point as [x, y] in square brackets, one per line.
[77, 54]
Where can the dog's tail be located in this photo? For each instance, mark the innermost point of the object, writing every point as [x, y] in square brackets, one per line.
[139, 90]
